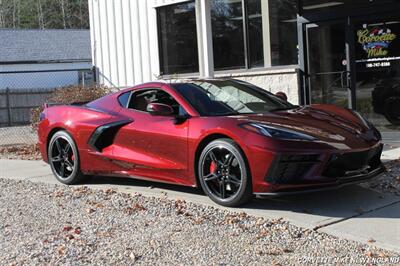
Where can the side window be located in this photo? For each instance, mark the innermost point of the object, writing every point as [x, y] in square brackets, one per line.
[124, 98]
[139, 100]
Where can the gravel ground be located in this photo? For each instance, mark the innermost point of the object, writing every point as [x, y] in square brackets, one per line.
[389, 182]
[55, 224]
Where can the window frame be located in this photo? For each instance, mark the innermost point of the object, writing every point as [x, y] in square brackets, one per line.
[135, 91]
[222, 73]
[159, 38]
[246, 41]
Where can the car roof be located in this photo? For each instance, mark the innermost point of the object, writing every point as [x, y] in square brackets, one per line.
[176, 82]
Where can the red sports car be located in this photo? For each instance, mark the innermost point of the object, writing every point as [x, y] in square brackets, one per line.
[230, 137]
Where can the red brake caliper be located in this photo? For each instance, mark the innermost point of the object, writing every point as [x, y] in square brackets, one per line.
[213, 167]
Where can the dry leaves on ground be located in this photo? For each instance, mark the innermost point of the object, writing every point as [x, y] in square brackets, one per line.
[20, 152]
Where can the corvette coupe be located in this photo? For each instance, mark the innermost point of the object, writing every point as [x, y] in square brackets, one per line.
[229, 137]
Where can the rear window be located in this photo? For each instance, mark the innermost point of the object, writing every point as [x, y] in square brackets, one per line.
[124, 98]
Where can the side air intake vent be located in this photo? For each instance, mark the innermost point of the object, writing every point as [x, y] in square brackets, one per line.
[104, 135]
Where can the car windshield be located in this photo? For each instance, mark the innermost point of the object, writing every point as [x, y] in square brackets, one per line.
[229, 97]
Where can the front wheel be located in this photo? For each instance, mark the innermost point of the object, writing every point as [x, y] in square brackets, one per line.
[64, 159]
[223, 173]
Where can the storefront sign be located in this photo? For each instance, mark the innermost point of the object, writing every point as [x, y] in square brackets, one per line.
[376, 41]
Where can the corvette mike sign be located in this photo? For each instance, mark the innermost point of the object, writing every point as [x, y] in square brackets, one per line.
[376, 40]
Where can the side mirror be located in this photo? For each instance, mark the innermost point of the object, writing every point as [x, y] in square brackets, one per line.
[160, 109]
[281, 95]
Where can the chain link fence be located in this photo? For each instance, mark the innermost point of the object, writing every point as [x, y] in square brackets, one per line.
[21, 91]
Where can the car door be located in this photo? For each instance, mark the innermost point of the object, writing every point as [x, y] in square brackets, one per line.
[153, 146]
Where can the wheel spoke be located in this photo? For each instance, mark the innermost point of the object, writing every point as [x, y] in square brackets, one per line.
[67, 148]
[234, 180]
[58, 146]
[62, 169]
[56, 159]
[69, 164]
[222, 188]
[210, 177]
[229, 159]
[213, 157]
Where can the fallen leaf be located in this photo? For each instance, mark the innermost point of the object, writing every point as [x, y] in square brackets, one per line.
[198, 221]
[287, 250]
[133, 256]
[58, 194]
[263, 233]
[61, 250]
[274, 252]
[99, 205]
[109, 191]
[69, 236]
[139, 207]
[370, 254]
[67, 228]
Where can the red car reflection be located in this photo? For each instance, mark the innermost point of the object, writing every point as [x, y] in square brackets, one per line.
[232, 138]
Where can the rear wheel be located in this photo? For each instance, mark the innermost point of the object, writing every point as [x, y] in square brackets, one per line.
[223, 173]
[64, 159]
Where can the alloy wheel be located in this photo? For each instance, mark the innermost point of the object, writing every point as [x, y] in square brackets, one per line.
[221, 173]
[62, 157]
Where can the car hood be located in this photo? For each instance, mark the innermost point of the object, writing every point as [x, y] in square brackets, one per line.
[336, 126]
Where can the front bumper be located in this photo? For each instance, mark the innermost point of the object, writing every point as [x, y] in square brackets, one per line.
[301, 173]
[340, 182]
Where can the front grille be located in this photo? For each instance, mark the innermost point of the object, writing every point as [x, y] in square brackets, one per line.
[354, 163]
[290, 169]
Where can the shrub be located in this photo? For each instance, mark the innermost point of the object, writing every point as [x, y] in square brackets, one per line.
[69, 95]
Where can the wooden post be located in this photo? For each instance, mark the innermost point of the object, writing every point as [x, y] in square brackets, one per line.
[94, 75]
[8, 106]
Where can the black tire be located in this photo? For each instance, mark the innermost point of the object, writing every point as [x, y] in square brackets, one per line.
[392, 110]
[63, 158]
[224, 174]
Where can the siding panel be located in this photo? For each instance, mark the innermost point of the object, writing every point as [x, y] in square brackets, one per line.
[104, 70]
[124, 40]
[120, 42]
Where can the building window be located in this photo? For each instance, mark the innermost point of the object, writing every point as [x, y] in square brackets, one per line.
[255, 30]
[177, 38]
[237, 39]
[283, 32]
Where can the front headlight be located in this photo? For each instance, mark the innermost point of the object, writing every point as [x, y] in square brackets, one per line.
[277, 132]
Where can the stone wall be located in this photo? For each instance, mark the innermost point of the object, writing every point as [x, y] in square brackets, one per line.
[273, 80]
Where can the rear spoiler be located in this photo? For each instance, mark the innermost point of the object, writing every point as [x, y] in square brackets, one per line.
[47, 105]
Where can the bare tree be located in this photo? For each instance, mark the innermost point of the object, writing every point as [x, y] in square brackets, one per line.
[40, 15]
[62, 6]
[80, 14]
[53, 14]
[1, 15]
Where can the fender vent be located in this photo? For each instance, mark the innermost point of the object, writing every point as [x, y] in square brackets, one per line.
[104, 135]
